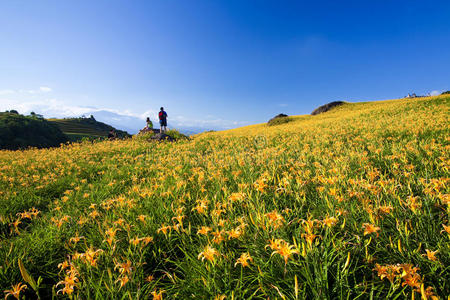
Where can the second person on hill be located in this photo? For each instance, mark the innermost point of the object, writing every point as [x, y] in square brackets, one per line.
[149, 124]
[162, 120]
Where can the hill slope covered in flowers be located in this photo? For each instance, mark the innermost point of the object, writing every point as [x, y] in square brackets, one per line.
[350, 203]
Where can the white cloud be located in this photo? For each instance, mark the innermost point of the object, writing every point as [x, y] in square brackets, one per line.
[46, 107]
[6, 92]
[45, 89]
[282, 105]
[435, 93]
[41, 89]
[209, 123]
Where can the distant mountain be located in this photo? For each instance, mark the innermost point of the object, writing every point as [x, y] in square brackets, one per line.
[133, 124]
[123, 122]
[190, 130]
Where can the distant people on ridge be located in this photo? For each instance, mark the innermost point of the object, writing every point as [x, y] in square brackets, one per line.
[149, 124]
[112, 134]
[162, 120]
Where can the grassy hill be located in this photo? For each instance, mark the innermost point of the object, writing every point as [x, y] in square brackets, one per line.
[21, 132]
[79, 128]
[351, 203]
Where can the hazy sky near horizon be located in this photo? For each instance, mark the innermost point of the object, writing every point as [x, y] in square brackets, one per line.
[228, 63]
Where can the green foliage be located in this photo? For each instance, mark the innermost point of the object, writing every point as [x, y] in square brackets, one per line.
[19, 132]
[175, 134]
[446, 93]
[144, 136]
[279, 121]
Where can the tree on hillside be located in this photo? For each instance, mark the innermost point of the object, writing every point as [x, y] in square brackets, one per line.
[35, 115]
[446, 93]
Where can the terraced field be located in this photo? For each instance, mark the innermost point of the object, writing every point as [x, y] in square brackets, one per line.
[79, 128]
[70, 127]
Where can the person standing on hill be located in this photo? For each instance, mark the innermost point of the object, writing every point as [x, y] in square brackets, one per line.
[162, 120]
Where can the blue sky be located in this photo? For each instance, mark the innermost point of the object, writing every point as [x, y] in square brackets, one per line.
[217, 64]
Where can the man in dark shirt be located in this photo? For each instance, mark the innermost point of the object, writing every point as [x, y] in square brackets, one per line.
[162, 120]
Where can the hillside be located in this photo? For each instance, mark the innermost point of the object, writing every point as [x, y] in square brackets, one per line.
[358, 112]
[351, 203]
[20, 132]
[79, 128]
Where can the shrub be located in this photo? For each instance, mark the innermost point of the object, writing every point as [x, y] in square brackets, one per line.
[175, 134]
[326, 107]
[278, 120]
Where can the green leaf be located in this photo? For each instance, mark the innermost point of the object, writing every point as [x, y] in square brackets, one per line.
[26, 276]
